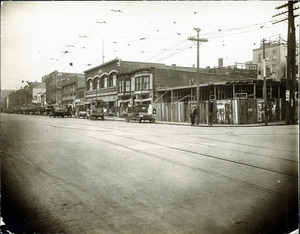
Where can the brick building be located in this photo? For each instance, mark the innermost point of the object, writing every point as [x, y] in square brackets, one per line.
[139, 85]
[101, 81]
[54, 85]
[73, 88]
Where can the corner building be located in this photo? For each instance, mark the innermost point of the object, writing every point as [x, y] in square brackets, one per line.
[102, 82]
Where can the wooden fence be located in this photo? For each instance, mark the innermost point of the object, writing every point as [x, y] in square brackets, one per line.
[236, 111]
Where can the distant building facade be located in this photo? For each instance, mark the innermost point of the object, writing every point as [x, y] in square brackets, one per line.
[73, 88]
[54, 85]
[39, 93]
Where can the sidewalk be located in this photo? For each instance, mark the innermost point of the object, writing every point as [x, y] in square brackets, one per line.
[114, 118]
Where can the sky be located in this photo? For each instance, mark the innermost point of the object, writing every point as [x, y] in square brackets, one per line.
[39, 37]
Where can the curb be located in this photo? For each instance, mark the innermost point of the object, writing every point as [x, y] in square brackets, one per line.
[206, 125]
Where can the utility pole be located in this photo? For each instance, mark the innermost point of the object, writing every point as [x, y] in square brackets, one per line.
[198, 40]
[102, 50]
[291, 61]
[265, 82]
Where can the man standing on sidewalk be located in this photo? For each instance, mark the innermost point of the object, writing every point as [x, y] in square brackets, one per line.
[193, 115]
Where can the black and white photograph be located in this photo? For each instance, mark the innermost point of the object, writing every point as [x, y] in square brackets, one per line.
[149, 117]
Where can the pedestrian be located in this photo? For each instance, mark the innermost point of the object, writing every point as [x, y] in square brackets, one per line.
[193, 115]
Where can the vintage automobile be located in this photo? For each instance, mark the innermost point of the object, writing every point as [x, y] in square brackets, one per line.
[139, 113]
[29, 110]
[69, 110]
[58, 110]
[48, 110]
[96, 110]
[80, 110]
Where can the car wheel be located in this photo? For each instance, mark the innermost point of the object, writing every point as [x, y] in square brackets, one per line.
[152, 120]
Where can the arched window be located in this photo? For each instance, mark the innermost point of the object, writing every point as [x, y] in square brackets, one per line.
[90, 85]
[104, 81]
[97, 83]
[113, 79]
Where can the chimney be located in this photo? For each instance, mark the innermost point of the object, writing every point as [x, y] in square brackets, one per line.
[220, 62]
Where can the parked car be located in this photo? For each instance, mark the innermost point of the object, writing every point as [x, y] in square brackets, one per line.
[48, 110]
[140, 113]
[69, 110]
[96, 110]
[58, 110]
[81, 110]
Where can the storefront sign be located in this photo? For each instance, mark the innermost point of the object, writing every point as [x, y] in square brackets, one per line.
[107, 93]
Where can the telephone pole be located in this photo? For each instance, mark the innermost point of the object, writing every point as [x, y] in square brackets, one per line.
[291, 61]
[198, 40]
[265, 82]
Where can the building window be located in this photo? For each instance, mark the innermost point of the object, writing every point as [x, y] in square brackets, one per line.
[127, 86]
[267, 56]
[121, 86]
[259, 58]
[138, 83]
[268, 71]
[98, 84]
[80, 94]
[145, 82]
[273, 68]
[259, 70]
[91, 85]
[114, 80]
[105, 82]
[274, 57]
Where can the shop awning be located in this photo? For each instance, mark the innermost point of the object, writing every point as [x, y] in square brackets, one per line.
[127, 100]
[143, 100]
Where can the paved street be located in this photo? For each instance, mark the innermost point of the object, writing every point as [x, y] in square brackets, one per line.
[72, 175]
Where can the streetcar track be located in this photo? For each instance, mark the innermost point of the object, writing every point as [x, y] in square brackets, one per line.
[244, 144]
[244, 152]
[244, 183]
[205, 155]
